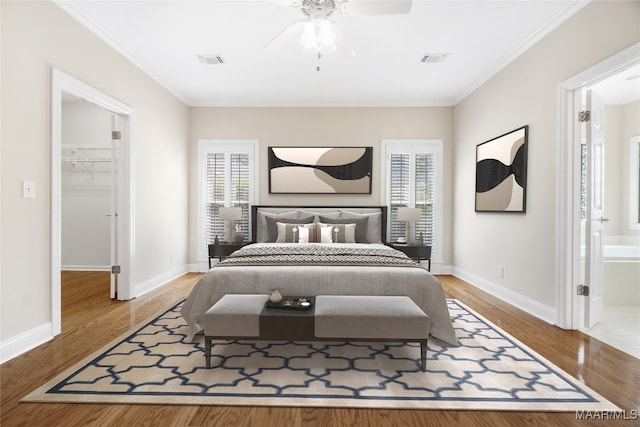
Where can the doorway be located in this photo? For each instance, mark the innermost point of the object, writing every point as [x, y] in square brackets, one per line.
[89, 200]
[572, 271]
[119, 214]
[615, 318]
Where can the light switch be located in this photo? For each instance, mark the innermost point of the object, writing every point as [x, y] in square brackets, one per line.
[28, 190]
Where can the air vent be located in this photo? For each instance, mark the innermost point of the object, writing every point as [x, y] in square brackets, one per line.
[210, 59]
[433, 58]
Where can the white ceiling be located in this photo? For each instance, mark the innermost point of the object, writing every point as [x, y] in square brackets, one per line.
[164, 39]
[620, 88]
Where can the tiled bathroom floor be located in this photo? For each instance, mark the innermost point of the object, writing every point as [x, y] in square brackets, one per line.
[620, 328]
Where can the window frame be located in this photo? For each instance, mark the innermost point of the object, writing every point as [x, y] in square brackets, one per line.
[226, 146]
[413, 147]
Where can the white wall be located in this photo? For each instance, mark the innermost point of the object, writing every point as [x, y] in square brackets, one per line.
[324, 127]
[621, 123]
[631, 127]
[525, 92]
[37, 36]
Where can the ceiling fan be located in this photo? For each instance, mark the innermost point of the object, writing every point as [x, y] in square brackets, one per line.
[318, 34]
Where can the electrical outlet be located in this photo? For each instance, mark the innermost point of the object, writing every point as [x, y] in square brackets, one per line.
[501, 271]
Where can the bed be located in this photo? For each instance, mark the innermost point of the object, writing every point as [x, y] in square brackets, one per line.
[360, 264]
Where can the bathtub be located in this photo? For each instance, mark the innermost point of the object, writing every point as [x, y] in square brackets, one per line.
[621, 269]
[618, 248]
[621, 248]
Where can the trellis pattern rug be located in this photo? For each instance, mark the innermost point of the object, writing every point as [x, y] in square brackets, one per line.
[489, 370]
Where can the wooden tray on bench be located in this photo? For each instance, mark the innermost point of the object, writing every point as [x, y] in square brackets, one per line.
[291, 303]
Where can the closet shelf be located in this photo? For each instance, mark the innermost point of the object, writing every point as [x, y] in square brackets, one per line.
[86, 147]
[75, 159]
[77, 153]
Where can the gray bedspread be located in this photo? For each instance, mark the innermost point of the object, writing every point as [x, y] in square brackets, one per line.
[323, 277]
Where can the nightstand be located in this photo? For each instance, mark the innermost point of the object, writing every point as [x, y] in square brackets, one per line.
[223, 249]
[415, 252]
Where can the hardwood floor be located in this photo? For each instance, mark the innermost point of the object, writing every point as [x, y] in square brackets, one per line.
[91, 320]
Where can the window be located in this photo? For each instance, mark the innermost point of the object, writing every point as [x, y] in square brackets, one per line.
[412, 177]
[634, 183]
[227, 177]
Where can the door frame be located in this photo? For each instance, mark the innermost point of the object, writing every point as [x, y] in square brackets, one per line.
[568, 163]
[63, 82]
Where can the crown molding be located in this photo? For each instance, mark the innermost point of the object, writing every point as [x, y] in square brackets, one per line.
[569, 10]
[76, 13]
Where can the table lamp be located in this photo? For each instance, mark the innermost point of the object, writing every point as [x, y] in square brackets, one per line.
[230, 214]
[410, 216]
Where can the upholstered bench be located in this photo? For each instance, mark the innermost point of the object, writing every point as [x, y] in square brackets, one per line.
[372, 318]
[233, 316]
[332, 318]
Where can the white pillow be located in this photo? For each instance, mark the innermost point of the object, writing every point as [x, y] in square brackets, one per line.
[304, 232]
[325, 234]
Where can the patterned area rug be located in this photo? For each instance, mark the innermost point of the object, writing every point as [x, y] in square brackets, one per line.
[489, 370]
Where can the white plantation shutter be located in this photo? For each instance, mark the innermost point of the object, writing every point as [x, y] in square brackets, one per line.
[425, 194]
[227, 174]
[413, 179]
[227, 184]
[240, 188]
[215, 179]
[399, 192]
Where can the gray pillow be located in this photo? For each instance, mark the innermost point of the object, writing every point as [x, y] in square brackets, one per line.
[272, 225]
[361, 225]
[374, 231]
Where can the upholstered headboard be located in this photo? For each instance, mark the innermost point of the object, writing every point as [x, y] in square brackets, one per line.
[376, 228]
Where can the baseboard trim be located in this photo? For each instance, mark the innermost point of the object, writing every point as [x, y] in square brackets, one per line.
[20, 344]
[156, 282]
[202, 265]
[531, 306]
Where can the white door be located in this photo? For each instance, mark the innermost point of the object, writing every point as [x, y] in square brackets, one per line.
[113, 207]
[594, 209]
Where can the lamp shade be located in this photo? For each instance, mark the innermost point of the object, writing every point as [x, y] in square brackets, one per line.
[326, 37]
[232, 213]
[409, 214]
[309, 38]
[318, 36]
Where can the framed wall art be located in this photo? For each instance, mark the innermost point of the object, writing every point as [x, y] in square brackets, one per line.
[320, 170]
[501, 173]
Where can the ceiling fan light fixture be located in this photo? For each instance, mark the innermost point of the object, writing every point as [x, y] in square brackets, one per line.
[326, 37]
[318, 36]
[309, 38]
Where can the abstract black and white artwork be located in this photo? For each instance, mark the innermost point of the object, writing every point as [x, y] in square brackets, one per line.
[320, 170]
[501, 173]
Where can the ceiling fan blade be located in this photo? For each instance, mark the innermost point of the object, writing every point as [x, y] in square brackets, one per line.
[283, 36]
[290, 3]
[374, 7]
